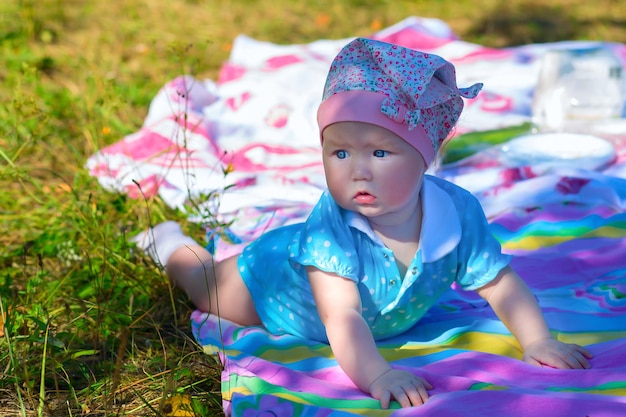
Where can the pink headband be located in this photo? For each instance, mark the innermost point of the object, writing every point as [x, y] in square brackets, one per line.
[408, 92]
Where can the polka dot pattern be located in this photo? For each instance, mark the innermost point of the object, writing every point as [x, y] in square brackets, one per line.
[274, 269]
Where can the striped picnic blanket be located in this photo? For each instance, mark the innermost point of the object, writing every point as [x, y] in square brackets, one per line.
[250, 140]
[573, 256]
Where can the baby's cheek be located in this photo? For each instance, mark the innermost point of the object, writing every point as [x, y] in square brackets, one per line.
[399, 187]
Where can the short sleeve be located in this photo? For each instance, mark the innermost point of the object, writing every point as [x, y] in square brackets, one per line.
[325, 241]
[480, 256]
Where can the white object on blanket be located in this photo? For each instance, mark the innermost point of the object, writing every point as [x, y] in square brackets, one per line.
[558, 150]
[577, 86]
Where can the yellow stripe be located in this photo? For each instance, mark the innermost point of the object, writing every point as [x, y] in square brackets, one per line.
[589, 338]
[497, 344]
[536, 242]
[607, 231]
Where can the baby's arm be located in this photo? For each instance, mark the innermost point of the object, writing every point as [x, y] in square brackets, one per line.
[516, 306]
[339, 306]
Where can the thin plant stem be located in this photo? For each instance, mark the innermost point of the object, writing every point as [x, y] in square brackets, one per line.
[42, 385]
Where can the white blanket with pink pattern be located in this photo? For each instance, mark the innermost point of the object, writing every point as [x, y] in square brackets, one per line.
[246, 147]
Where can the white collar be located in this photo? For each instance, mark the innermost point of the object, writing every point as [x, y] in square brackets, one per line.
[441, 229]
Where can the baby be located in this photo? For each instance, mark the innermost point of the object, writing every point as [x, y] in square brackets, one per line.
[384, 241]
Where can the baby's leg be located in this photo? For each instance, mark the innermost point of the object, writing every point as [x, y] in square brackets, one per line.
[216, 287]
[212, 286]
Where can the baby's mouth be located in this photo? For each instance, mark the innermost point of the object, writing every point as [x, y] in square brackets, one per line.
[364, 198]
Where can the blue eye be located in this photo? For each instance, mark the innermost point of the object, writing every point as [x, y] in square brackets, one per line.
[342, 154]
[380, 153]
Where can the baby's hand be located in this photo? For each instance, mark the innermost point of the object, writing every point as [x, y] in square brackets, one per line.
[406, 388]
[556, 354]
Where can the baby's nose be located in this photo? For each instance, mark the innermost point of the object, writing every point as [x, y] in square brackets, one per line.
[361, 171]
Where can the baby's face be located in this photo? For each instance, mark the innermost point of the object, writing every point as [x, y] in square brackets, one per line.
[371, 170]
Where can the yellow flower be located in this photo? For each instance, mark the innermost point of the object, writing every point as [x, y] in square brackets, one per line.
[229, 168]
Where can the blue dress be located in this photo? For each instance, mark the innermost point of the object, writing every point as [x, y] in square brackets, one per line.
[455, 246]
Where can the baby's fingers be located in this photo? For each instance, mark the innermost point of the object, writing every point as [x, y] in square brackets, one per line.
[416, 393]
[530, 360]
[403, 395]
[385, 399]
[419, 395]
[580, 355]
[583, 351]
[572, 357]
[409, 396]
[407, 389]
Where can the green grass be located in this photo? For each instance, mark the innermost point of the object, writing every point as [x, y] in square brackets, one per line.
[89, 326]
